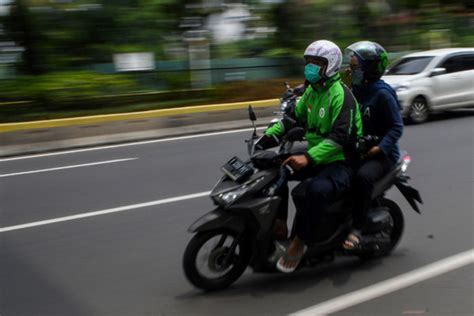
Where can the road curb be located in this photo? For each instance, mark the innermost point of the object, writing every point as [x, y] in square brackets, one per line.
[11, 127]
[121, 138]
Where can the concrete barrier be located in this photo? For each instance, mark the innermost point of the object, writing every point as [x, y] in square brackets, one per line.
[9, 127]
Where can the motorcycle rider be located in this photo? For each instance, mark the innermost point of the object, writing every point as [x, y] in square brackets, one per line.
[331, 115]
[381, 117]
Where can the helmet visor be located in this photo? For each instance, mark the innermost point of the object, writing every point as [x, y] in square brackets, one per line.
[320, 61]
[364, 50]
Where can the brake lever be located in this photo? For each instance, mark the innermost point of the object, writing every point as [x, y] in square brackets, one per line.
[290, 169]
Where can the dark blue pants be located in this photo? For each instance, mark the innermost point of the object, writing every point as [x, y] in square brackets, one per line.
[363, 186]
[323, 186]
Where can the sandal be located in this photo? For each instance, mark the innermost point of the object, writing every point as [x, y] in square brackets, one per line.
[354, 241]
[280, 250]
[286, 258]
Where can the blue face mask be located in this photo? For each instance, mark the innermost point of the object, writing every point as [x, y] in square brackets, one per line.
[357, 77]
[311, 73]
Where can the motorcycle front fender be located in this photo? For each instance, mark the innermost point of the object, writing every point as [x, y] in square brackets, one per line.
[218, 219]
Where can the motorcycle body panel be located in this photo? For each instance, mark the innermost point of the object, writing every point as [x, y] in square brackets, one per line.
[218, 219]
[225, 184]
[262, 209]
[378, 219]
[411, 195]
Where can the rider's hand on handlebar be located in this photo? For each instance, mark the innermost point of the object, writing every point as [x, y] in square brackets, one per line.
[374, 151]
[297, 162]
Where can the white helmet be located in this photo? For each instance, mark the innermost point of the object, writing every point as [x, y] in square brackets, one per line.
[329, 51]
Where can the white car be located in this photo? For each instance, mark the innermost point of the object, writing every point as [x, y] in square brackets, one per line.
[433, 80]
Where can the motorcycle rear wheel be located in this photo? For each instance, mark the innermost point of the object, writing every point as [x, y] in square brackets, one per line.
[394, 233]
[218, 268]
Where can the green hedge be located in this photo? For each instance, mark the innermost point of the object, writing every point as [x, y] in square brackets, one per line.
[63, 88]
[62, 95]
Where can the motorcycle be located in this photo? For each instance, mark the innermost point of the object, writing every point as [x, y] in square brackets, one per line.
[288, 102]
[238, 232]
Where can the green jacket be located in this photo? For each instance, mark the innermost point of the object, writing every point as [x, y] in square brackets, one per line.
[332, 118]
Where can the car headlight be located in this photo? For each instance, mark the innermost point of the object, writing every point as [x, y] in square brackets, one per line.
[229, 197]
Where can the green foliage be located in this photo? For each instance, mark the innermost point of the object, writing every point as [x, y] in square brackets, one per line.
[282, 52]
[176, 80]
[60, 36]
[62, 88]
[241, 49]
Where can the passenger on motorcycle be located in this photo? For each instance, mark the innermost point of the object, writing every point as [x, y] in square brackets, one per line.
[381, 117]
[331, 116]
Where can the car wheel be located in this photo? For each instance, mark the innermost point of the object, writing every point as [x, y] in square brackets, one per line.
[419, 110]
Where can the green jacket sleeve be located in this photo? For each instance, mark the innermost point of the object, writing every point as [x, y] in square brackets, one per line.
[277, 130]
[301, 109]
[344, 128]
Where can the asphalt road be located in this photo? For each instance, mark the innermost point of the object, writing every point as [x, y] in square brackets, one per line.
[129, 262]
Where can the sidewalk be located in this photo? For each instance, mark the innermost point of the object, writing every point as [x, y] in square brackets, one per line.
[38, 137]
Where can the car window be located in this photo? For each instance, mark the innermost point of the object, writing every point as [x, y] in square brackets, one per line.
[409, 65]
[468, 62]
[458, 63]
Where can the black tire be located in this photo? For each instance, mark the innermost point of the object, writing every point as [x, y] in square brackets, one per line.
[419, 110]
[239, 261]
[395, 233]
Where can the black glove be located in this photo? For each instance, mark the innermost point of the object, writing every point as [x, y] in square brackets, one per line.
[288, 123]
[365, 143]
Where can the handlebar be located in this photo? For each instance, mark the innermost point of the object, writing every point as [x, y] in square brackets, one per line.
[285, 172]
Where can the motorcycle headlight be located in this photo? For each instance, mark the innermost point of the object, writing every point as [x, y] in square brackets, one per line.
[283, 105]
[229, 197]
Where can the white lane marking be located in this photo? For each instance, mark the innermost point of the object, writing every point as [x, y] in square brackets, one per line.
[128, 144]
[65, 167]
[388, 286]
[103, 212]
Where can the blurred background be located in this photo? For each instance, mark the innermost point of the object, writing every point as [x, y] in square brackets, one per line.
[63, 58]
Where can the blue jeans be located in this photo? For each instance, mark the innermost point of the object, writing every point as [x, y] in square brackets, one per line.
[314, 196]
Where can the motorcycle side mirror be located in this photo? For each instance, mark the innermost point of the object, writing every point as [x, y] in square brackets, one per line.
[437, 72]
[295, 134]
[252, 115]
[251, 141]
[299, 90]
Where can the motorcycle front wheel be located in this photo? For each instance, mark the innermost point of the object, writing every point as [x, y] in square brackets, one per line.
[213, 260]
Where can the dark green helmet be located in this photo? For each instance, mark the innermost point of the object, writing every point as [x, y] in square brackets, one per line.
[372, 57]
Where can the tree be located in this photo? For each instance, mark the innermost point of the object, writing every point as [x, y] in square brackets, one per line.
[20, 27]
[71, 35]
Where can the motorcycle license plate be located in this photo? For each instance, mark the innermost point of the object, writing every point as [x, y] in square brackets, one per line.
[236, 169]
